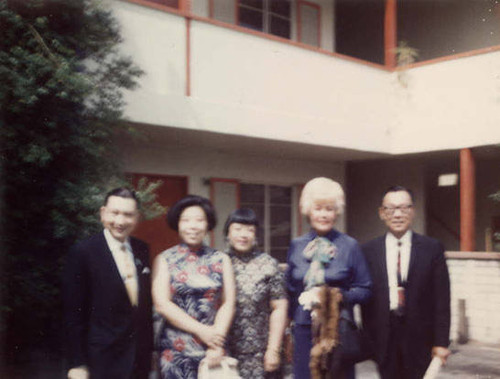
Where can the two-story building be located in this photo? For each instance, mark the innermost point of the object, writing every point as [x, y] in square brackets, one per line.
[244, 101]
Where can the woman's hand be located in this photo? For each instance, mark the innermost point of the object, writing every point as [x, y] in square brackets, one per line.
[211, 337]
[214, 356]
[271, 360]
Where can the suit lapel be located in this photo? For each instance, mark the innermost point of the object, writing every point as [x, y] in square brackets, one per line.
[414, 256]
[139, 266]
[381, 268]
[382, 262]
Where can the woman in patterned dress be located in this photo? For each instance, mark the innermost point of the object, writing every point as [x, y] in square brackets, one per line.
[194, 290]
[261, 305]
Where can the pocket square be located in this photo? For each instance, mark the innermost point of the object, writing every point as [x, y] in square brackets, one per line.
[145, 270]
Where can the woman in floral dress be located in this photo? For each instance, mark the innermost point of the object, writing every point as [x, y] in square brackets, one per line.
[261, 307]
[194, 290]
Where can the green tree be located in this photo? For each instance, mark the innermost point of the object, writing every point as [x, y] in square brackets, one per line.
[61, 82]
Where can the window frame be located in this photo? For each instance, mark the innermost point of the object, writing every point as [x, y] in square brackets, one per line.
[305, 3]
[267, 205]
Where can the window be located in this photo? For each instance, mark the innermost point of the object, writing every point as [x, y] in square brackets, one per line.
[223, 10]
[273, 206]
[269, 16]
[309, 23]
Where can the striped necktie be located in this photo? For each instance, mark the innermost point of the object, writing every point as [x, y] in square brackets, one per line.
[401, 288]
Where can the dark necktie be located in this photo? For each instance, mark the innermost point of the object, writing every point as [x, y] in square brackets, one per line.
[401, 288]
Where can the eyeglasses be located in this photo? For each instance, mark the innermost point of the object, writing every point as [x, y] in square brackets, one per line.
[404, 209]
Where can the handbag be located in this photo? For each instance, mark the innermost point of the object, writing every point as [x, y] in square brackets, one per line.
[355, 346]
[228, 369]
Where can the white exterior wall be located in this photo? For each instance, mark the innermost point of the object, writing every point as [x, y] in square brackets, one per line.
[247, 85]
[478, 283]
[156, 41]
[448, 105]
[251, 86]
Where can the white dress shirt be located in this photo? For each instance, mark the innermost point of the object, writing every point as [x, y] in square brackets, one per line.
[391, 248]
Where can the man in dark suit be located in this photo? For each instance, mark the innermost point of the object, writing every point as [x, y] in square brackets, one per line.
[408, 315]
[107, 297]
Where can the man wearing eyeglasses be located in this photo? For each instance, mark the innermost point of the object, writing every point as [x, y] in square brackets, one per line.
[408, 316]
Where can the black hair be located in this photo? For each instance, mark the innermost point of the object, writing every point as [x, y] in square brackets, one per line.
[174, 213]
[124, 192]
[398, 188]
[244, 216]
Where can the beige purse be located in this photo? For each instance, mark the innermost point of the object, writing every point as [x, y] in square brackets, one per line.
[228, 369]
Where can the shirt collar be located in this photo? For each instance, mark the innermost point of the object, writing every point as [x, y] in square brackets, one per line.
[114, 244]
[405, 239]
[202, 250]
[331, 235]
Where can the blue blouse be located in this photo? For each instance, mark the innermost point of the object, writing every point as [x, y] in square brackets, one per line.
[347, 270]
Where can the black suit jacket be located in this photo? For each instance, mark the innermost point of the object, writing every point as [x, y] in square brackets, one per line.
[104, 331]
[427, 312]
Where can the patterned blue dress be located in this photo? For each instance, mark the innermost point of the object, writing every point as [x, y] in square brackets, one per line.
[196, 287]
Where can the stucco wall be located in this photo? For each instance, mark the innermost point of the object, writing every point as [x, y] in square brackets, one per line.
[244, 84]
[451, 104]
[251, 86]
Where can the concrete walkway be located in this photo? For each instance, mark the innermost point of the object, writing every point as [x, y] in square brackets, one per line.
[470, 361]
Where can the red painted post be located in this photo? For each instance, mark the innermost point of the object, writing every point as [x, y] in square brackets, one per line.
[467, 201]
[185, 6]
[390, 33]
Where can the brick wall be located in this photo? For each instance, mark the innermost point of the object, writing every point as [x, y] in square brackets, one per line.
[475, 278]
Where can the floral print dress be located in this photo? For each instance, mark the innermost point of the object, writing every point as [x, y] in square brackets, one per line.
[196, 287]
[258, 281]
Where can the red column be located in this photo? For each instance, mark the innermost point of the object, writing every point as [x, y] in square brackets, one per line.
[390, 33]
[185, 5]
[467, 201]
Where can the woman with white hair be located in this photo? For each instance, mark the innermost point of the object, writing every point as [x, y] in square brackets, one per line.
[322, 256]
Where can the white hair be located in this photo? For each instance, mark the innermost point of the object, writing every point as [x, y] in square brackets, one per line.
[321, 189]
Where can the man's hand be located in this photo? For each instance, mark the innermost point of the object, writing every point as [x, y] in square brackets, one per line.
[441, 352]
[80, 372]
